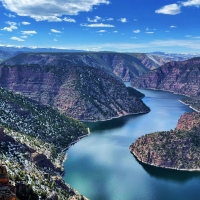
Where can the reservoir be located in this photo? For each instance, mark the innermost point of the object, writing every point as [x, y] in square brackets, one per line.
[101, 167]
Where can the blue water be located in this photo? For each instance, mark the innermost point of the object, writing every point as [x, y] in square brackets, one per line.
[101, 167]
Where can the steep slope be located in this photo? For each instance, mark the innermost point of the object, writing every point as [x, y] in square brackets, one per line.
[34, 142]
[178, 149]
[179, 77]
[121, 64]
[5, 55]
[84, 93]
[151, 61]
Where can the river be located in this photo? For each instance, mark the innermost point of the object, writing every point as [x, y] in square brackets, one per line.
[101, 167]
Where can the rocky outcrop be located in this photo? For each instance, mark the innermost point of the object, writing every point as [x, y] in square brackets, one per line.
[179, 77]
[84, 93]
[188, 121]
[178, 149]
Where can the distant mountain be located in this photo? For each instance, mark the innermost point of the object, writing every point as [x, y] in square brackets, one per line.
[5, 55]
[123, 65]
[35, 49]
[179, 77]
[151, 61]
[175, 56]
[84, 93]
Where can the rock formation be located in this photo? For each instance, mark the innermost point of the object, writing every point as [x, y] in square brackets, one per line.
[178, 149]
[7, 188]
[84, 93]
[179, 77]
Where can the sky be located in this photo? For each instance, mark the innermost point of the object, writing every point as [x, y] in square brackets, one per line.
[102, 25]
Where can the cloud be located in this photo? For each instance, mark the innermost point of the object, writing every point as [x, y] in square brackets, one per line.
[9, 15]
[136, 31]
[101, 31]
[26, 23]
[171, 9]
[149, 32]
[11, 27]
[96, 19]
[17, 39]
[55, 40]
[123, 20]
[7, 29]
[173, 27]
[68, 19]
[55, 31]
[191, 3]
[115, 31]
[98, 25]
[42, 10]
[24, 36]
[110, 19]
[31, 33]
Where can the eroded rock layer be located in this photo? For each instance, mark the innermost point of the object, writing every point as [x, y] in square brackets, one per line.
[84, 93]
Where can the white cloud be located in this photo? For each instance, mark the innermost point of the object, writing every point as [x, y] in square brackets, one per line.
[11, 28]
[135, 20]
[26, 23]
[55, 31]
[96, 19]
[31, 33]
[123, 20]
[191, 3]
[68, 19]
[42, 10]
[110, 19]
[55, 40]
[101, 31]
[115, 31]
[98, 25]
[7, 29]
[136, 31]
[17, 39]
[24, 36]
[167, 31]
[149, 32]
[173, 26]
[171, 9]
[9, 15]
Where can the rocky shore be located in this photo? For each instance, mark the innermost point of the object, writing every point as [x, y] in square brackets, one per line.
[175, 149]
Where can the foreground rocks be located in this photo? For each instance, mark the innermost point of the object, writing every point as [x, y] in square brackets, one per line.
[175, 149]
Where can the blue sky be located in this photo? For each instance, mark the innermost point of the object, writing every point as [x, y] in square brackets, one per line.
[102, 25]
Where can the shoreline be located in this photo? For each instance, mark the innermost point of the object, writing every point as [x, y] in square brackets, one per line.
[72, 143]
[189, 106]
[173, 93]
[172, 168]
[104, 120]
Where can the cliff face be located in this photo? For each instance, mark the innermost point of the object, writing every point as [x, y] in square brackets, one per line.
[178, 149]
[179, 77]
[84, 93]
